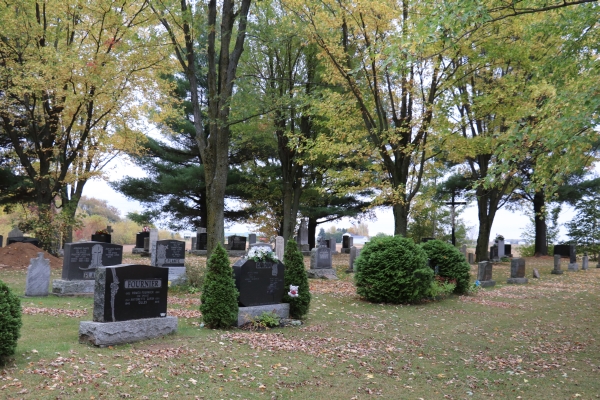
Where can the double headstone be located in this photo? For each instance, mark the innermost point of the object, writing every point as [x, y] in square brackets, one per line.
[130, 304]
[484, 274]
[80, 263]
[38, 276]
[171, 254]
[320, 263]
[347, 243]
[236, 242]
[517, 272]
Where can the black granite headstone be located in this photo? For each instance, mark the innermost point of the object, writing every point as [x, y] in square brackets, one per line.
[563, 250]
[139, 239]
[201, 239]
[507, 249]
[170, 253]
[81, 259]
[259, 283]
[494, 253]
[237, 242]
[126, 292]
[104, 238]
[572, 254]
[23, 239]
[347, 242]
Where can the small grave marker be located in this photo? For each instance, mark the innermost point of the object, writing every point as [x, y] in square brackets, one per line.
[279, 247]
[557, 270]
[38, 276]
[517, 272]
[584, 262]
[484, 274]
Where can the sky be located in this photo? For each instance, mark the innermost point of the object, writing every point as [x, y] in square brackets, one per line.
[509, 224]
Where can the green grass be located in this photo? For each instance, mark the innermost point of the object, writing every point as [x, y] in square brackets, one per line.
[536, 341]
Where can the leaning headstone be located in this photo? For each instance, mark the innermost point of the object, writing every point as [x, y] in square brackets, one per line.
[536, 273]
[517, 272]
[38, 277]
[347, 243]
[471, 258]
[557, 270]
[351, 259]
[252, 238]
[484, 274]
[130, 304]
[152, 242]
[463, 250]
[80, 262]
[279, 247]
[584, 262]
[573, 266]
[171, 254]
[500, 247]
[320, 263]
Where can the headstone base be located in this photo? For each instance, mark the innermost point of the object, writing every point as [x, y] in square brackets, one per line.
[556, 272]
[73, 288]
[487, 283]
[177, 275]
[246, 314]
[304, 247]
[573, 267]
[517, 281]
[111, 333]
[345, 251]
[137, 250]
[325, 273]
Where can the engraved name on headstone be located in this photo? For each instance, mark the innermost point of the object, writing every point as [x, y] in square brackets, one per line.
[83, 258]
[259, 282]
[170, 253]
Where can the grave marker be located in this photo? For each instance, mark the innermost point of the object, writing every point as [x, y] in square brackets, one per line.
[236, 242]
[584, 262]
[320, 263]
[517, 272]
[500, 247]
[494, 253]
[573, 266]
[152, 244]
[252, 238]
[471, 258]
[352, 258]
[201, 241]
[303, 235]
[463, 250]
[557, 270]
[38, 276]
[259, 282]
[279, 247]
[484, 274]
[171, 254]
[347, 243]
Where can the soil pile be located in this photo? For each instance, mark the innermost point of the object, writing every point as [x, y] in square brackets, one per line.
[18, 255]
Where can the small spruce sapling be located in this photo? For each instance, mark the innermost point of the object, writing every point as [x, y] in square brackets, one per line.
[295, 274]
[219, 295]
[10, 322]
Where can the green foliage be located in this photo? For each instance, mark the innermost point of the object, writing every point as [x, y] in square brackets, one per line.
[450, 261]
[219, 296]
[46, 225]
[10, 322]
[441, 287]
[295, 274]
[473, 289]
[393, 270]
[264, 321]
[93, 206]
[584, 229]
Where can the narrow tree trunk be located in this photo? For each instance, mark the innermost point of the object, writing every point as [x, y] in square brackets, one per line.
[400, 219]
[312, 232]
[541, 243]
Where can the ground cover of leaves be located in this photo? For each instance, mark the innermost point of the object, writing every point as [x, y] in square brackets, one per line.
[534, 341]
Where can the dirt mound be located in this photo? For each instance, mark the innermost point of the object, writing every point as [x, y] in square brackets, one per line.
[18, 255]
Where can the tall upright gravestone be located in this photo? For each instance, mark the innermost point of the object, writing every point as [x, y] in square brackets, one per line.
[303, 235]
[171, 254]
[279, 247]
[320, 263]
[557, 270]
[484, 274]
[501, 248]
[152, 242]
[347, 243]
[130, 304]
[38, 276]
[573, 266]
[517, 272]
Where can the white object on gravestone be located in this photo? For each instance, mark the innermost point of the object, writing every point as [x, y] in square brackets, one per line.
[152, 242]
[15, 233]
[279, 247]
[500, 248]
[38, 276]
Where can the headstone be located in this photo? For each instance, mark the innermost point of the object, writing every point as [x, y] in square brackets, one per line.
[320, 263]
[147, 244]
[171, 254]
[494, 253]
[347, 243]
[194, 243]
[584, 262]
[259, 282]
[508, 250]
[463, 250]
[303, 235]
[471, 258]
[279, 247]
[152, 243]
[500, 247]
[557, 270]
[139, 239]
[517, 272]
[484, 274]
[563, 250]
[252, 238]
[101, 237]
[23, 239]
[333, 245]
[130, 304]
[201, 241]
[1, 240]
[573, 266]
[83, 258]
[15, 232]
[427, 239]
[237, 242]
[38, 276]
[351, 259]
[536, 273]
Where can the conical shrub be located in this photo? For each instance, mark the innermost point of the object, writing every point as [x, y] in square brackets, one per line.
[10, 322]
[219, 296]
[295, 274]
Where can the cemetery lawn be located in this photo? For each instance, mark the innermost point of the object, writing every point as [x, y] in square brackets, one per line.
[534, 341]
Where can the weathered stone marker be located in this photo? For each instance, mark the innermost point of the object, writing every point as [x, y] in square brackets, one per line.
[557, 270]
[484, 274]
[152, 242]
[573, 266]
[584, 262]
[471, 258]
[517, 272]
[279, 247]
[320, 263]
[38, 276]
[352, 258]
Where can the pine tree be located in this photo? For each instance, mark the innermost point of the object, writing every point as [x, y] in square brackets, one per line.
[219, 295]
[295, 274]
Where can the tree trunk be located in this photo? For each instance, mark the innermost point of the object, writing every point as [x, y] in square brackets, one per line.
[487, 206]
[400, 219]
[312, 232]
[541, 243]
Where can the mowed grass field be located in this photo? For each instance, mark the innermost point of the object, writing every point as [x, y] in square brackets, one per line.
[534, 341]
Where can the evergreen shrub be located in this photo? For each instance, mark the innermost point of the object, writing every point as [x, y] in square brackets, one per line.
[219, 295]
[393, 269]
[10, 322]
[451, 263]
[295, 274]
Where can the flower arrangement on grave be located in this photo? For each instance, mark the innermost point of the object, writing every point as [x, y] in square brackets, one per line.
[101, 232]
[262, 254]
[498, 238]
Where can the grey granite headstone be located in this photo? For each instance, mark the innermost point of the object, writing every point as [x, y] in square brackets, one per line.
[463, 250]
[484, 274]
[147, 244]
[517, 272]
[351, 259]
[557, 270]
[252, 238]
[536, 273]
[584, 262]
[247, 314]
[471, 258]
[15, 232]
[320, 258]
[152, 243]
[500, 247]
[38, 276]
[81, 259]
[194, 241]
[573, 266]
[303, 235]
[279, 247]
[171, 254]
[494, 253]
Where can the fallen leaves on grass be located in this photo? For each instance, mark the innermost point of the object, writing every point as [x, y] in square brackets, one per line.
[489, 303]
[184, 313]
[55, 312]
[335, 288]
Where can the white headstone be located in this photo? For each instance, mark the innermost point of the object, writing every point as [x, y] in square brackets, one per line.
[153, 240]
[500, 248]
[38, 276]
[279, 247]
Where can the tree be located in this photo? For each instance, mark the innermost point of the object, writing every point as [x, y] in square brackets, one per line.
[182, 20]
[584, 229]
[295, 274]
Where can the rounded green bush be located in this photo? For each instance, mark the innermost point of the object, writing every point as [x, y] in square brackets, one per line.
[219, 297]
[295, 274]
[392, 269]
[451, 263]
[10, 322]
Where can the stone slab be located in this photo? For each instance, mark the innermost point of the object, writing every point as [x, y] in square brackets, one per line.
[62, 287]
[112, 333]
[573, 267]
[517, 281]
[322, 273]
[177, 275]
[245, 314]
[38, 277]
